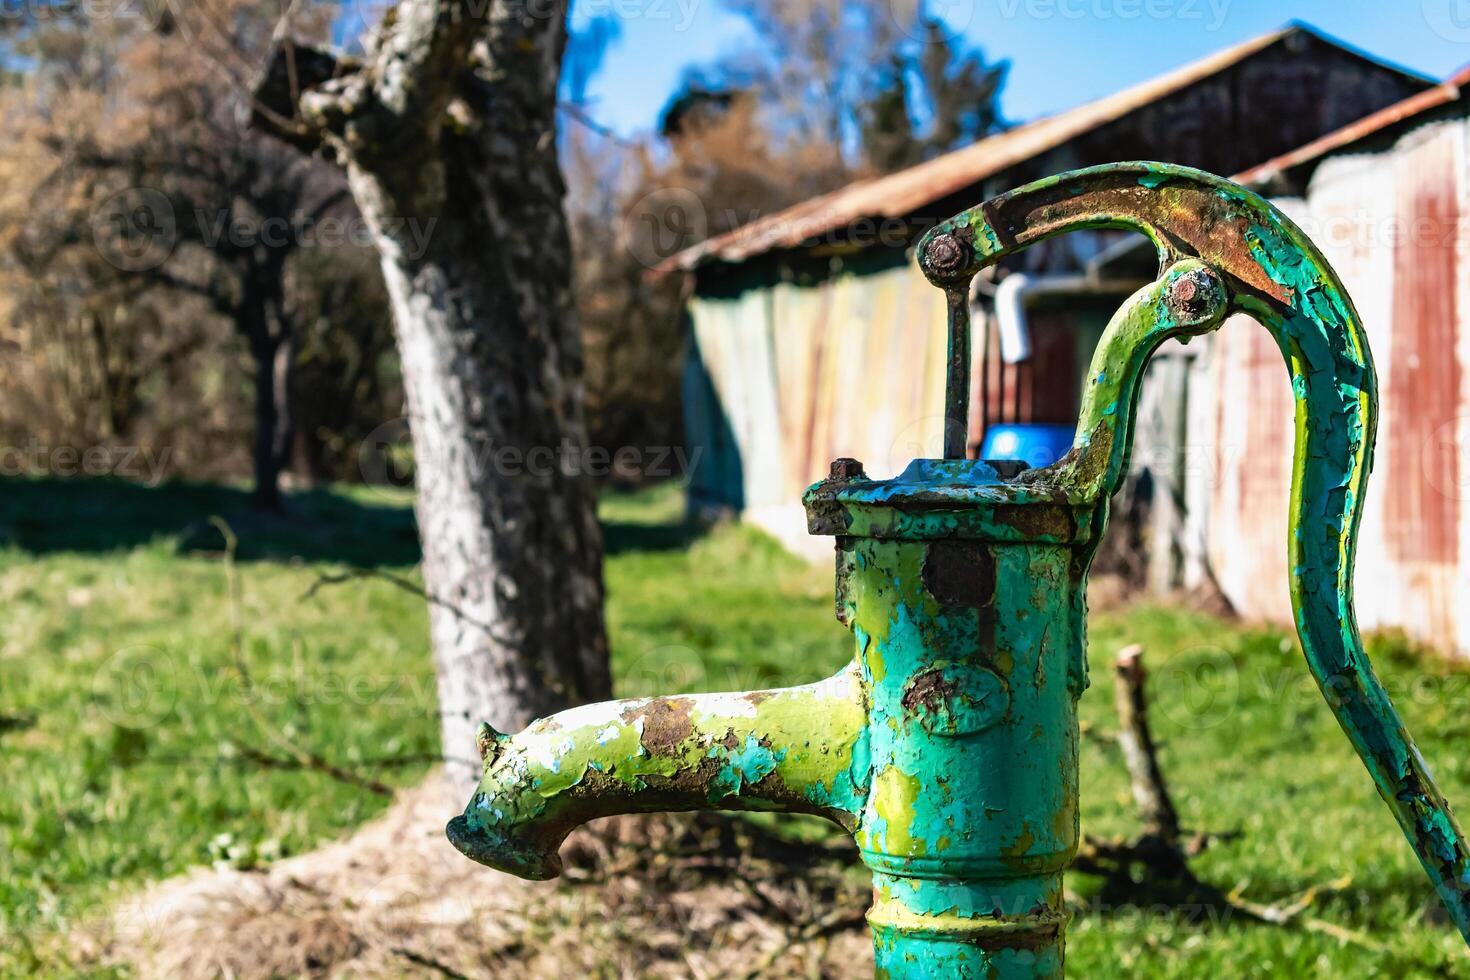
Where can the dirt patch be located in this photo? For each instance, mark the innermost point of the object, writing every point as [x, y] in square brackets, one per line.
[707, 895]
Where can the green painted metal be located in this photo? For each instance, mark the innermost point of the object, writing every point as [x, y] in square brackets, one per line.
[948, 747]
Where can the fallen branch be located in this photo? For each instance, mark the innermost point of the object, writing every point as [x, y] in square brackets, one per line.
[1291, 912]
[314, 763]
[302, 757]
[429, 963]
[356, 572]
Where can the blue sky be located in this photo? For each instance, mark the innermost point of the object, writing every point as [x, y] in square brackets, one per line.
[1062, 52]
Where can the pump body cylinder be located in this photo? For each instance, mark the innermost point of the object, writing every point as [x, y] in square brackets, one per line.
[972, 655]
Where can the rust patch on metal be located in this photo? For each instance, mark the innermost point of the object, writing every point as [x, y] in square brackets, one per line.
[928, 690]
[960, 573]
[666, 723]
[1037, 521]
[947, 255]
[1182, 214]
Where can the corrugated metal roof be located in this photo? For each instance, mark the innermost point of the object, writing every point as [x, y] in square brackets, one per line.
[1446, 92]
[899, 194]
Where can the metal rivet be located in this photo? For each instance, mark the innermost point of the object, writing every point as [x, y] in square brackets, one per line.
[946, 255]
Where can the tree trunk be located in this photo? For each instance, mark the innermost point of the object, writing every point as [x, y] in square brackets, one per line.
[448, 136]
[274, 353]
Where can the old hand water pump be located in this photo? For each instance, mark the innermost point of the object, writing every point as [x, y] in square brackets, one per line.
[948, 747]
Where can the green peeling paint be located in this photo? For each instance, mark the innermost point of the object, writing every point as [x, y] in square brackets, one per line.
[949, 746]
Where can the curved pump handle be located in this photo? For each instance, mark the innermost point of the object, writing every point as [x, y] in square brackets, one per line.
[1223, 249]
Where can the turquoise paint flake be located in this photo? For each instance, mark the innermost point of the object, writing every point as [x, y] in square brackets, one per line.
[748, 764]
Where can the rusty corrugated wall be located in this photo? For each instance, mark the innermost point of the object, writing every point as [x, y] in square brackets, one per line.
[799, 374]
[795, 374]
[1392, 224]
[784, 377]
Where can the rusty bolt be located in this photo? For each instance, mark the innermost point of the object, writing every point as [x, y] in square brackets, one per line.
[846, 469]
[1195, 295]
[946, 255]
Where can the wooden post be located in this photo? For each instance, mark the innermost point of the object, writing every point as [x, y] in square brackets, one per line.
[1140, 755]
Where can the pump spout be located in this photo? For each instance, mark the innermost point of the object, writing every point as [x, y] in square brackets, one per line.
[801, 749]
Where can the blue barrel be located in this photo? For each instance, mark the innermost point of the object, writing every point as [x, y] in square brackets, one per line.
[1035, 444]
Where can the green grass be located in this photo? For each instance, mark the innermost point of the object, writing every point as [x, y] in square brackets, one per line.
[125, 728]
[123, 721]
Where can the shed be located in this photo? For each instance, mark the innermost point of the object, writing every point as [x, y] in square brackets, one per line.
[1385, 198]
[814, 336]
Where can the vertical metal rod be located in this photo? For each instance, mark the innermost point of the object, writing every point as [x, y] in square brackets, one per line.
[1020, 396]
[957, 380]
[986, 350]
[1002, 389]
